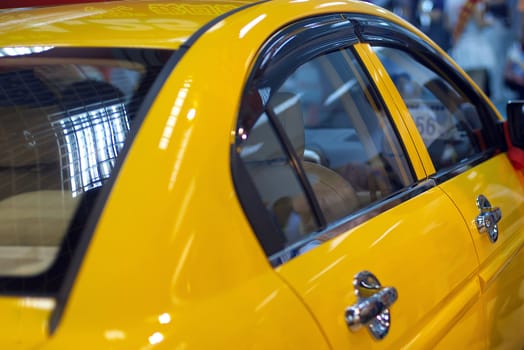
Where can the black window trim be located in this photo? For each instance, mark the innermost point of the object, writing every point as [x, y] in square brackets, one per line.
[461, 167]
[359, 28]
[355, 219]
[311, 37]
[50, 282]
[85, 237]
[380, 32]
[297, 167]
[333, 32]
[63, 293]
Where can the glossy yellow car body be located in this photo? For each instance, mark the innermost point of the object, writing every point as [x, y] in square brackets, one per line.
[173, 262]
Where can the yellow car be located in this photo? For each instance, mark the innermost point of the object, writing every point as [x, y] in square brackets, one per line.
[251, 175]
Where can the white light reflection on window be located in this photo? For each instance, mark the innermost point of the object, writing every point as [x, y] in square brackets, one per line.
[39, 303]
[92, 140]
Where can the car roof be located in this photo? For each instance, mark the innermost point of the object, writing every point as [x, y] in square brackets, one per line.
[134, 23]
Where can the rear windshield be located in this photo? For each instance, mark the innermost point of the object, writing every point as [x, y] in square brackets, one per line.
[65, 115]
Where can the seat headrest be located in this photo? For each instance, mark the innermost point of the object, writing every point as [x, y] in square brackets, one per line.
[287, 107]
[27, 136]
[261, 144]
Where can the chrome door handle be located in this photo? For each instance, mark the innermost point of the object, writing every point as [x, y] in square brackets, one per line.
[487, 220]
[372, 307]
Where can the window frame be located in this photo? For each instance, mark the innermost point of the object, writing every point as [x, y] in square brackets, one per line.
[57, 279]
[378, 32]
[284, 51]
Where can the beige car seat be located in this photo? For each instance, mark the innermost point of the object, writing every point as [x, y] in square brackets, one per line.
[34, 210]
[277, 184]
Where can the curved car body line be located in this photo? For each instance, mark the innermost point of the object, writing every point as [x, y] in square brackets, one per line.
[454, 293]
[89, 229]
[445, 316]
[172, 188]
[141, 114]
[169, 188]
[287, 42]
[462, 184]
[164, 267]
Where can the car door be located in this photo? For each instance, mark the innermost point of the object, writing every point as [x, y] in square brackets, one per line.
[353, 223]
[463, 154]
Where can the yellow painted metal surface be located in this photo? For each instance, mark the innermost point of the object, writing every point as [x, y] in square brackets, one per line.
[23, 321]
[472, 322]
[10, 322]
[173, 262]
[173, 240]
[501, 274]
[430, 262]
[159, 24]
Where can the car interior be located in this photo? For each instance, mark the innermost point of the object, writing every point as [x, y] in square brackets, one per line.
[64, 122]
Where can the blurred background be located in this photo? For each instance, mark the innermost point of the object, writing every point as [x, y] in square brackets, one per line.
[485, 37]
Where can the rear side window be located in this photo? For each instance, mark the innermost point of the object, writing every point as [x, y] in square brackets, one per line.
[65, 115]
[320, 150]
[448, 121]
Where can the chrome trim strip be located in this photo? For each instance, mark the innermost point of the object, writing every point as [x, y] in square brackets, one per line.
[459, 168]
[353, 220]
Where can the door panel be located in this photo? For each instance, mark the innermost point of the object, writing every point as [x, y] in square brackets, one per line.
[430, 262]
[320, 109]
[470, 323]
[496, 180]
[504, 306]
[501, 273]
[454, 157]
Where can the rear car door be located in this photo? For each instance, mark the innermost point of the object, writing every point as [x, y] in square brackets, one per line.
[343, 207]
[463, 141]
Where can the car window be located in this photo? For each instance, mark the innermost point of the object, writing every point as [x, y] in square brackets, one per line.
[271, 169]
[447, 119]
[321, 148]
[65, 115]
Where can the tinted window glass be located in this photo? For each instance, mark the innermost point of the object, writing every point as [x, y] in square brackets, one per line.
[270, 167]
[346, 129]
[447, 120]
[65, 115]
[347, 153]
